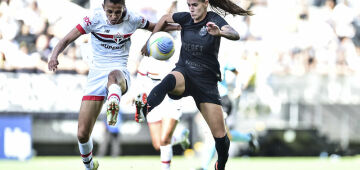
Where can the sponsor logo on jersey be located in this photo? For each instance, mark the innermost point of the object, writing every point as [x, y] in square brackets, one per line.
[143, 21]
[87, 21]
[107, 46]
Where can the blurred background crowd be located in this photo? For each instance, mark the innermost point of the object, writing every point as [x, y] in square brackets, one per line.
[296, 82]
[297, 36]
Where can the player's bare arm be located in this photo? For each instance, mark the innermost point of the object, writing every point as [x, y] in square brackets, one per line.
[226, 31]
[164, 21]
[63, 43]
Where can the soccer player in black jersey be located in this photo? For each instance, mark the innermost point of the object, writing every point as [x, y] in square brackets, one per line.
[197, 71]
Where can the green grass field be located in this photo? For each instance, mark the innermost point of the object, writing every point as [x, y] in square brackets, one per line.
[181, 163]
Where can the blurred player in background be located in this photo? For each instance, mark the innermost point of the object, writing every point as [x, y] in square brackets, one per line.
[111, 28]
[163, 120]
[197, 71]
[111, 140]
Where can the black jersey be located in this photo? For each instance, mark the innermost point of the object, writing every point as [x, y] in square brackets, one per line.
[199, 49]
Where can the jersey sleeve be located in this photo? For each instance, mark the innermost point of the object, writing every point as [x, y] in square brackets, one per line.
[218, 20]
[180, 17]
[139, 21]
[87, 23]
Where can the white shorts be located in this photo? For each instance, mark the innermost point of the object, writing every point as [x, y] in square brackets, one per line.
[167, 109]
[96, 88]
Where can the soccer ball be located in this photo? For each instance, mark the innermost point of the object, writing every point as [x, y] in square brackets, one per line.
[161, 46]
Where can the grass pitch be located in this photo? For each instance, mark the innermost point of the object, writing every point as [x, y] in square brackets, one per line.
[182, 163]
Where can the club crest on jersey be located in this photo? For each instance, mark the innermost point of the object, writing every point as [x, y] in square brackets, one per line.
[118, 38]
[203, 31]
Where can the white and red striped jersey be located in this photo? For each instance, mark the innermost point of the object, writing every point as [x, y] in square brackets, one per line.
[110, 43]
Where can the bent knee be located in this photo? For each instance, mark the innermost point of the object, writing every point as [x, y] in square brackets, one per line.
[83, 136]
[117, 77]
[165, 141]
[156, 146]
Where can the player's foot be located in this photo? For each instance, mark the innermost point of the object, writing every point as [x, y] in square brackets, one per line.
[140, 103]
[112, 110]
[96, 165]
[216, 165]
[185, 142]
[253, 143]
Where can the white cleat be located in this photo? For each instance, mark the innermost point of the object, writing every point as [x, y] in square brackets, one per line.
[112, 111]
[185, 143]
[96, 165]
[140, 103]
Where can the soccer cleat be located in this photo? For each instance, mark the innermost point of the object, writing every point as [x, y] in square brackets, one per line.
[96, 165]
[253, 143]
[140, 103]
[186, 142]
[112, 110]
[216, 165]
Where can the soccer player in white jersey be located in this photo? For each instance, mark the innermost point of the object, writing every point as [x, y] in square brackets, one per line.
[163, 120]
[111, 28]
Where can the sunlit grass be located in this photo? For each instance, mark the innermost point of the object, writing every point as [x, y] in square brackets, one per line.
[182, 163]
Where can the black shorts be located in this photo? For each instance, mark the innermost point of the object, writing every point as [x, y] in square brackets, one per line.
[200, 84]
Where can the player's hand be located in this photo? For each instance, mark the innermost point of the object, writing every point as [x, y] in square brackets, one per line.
[144, 50]
[52, 64]
[213, 29]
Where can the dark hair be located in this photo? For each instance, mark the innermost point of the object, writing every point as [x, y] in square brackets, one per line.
[122, 2]
[227, 6]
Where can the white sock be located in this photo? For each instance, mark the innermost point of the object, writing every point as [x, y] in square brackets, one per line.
[86, 153]
[114, 92]
[166, 155]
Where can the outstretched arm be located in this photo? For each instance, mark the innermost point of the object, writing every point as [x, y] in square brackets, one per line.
[63, 43]
[163, 24]
[226, 31]
[167, 27]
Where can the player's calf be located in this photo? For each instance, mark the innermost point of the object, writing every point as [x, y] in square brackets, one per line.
[222, 147]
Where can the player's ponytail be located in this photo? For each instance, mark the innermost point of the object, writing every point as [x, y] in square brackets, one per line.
[227, 6]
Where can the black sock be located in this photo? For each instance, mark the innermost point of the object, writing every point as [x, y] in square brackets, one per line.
[159, 92]
[222, 147]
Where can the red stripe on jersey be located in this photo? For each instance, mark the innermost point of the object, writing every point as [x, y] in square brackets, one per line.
[127, 35]
[105, 35]
[81, 29]
[84, 156]
[94, 98]
[112, 36]
[143, 74]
